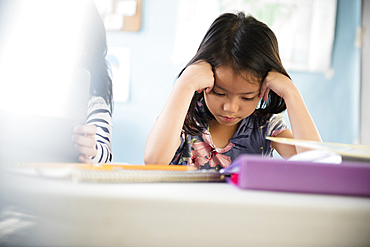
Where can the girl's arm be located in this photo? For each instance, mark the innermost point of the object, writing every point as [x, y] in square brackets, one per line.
[93, 140]
[300, 119]
[164, 138]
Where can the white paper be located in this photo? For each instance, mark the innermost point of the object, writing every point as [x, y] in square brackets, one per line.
[126, 8]
[114, 21]
[318, 156]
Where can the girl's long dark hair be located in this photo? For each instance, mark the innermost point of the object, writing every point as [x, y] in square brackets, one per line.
[94, 57]
[246, 45]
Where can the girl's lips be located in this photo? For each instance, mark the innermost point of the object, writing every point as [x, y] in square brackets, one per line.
[228, 119]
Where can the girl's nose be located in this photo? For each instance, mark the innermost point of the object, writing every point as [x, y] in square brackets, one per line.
[231, 106]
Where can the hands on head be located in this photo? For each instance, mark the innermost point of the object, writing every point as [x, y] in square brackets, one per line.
[279, 83]
[84, 141]
[202, 76]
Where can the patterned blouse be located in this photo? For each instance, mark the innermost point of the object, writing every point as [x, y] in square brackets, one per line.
[201, 152]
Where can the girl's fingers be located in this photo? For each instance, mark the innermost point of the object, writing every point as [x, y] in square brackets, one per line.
[264, 92]
[266, 95]
[87, 141]
[84, 142]
[200, 76]
[85, 159]
[208, 89]
[85, 129]
[88, 151]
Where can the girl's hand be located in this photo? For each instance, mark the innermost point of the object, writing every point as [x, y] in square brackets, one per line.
[278, 83]
[198, 75]
[300, 119]
[84, 142]
[164, 138]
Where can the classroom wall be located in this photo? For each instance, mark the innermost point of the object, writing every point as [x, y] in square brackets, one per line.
[334, 103]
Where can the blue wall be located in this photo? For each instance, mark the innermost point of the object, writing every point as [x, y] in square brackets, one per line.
[334, 104]
[152, 77]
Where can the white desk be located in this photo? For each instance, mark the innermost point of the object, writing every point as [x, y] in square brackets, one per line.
[63, 213]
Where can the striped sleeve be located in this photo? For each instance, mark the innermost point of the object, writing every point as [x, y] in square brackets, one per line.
[100, 115]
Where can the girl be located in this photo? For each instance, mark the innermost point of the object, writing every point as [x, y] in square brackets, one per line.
[228, 99]
[93, 140]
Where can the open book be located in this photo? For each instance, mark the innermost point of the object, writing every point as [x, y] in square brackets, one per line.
[347, 151]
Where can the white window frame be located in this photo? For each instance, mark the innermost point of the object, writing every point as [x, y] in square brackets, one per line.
[365, 75]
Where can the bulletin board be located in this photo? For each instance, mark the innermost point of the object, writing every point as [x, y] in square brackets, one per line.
[305, 29]
[120, 15]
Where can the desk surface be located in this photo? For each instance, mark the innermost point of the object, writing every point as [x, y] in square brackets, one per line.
[64, 213]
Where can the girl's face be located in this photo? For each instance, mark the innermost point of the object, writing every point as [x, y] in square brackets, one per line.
[233, 97]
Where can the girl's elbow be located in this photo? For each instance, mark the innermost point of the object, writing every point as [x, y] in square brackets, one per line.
[152, 158]
[148, 160]
[148, 157]
[160, 156]
[154, 161]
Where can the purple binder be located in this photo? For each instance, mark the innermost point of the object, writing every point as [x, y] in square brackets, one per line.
[257, 173]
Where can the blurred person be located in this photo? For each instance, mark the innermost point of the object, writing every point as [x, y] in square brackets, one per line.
[93, 140]
[42, 44]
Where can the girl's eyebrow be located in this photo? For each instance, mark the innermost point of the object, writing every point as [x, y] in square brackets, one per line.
[240, 93]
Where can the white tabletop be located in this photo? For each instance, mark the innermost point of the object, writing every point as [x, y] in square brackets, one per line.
[64, 213]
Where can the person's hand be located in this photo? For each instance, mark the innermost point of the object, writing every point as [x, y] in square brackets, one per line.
[279, 83]
[84, 142]
[199, 75]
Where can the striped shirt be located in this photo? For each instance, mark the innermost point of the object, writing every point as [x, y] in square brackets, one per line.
[99, 114]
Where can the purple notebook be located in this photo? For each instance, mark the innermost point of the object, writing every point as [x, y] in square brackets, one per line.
[256, 173]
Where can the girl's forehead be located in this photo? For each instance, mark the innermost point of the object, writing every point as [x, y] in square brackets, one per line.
[226, 77]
